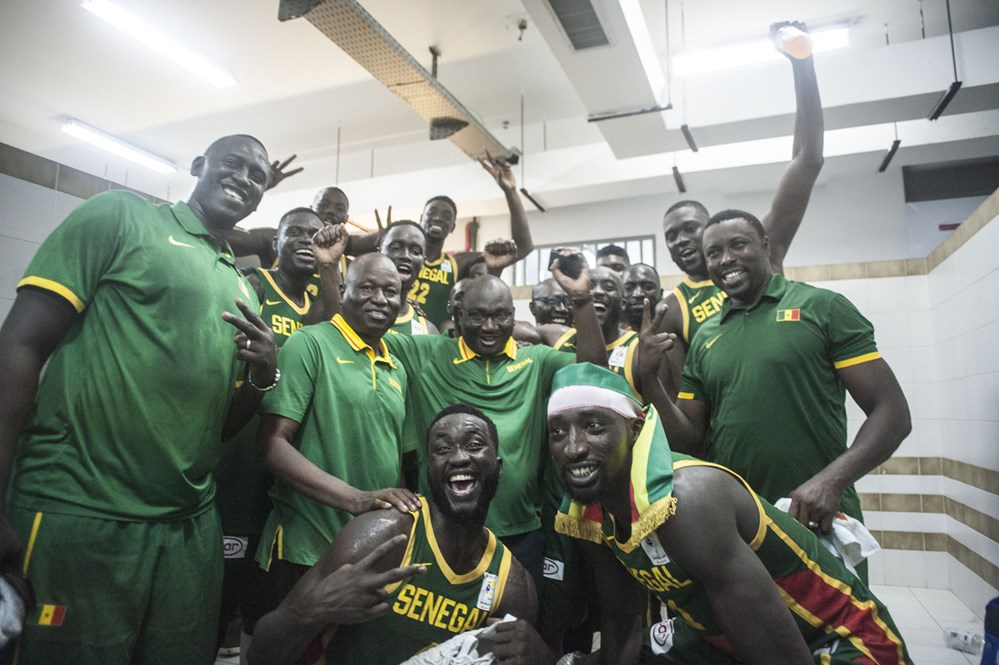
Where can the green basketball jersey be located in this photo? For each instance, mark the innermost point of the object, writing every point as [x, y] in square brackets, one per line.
[411, 323]
[427, 609]
[699, 301]
[620, 354]
[433, 287]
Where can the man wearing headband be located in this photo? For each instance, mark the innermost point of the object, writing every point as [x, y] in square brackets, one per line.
[747, 578]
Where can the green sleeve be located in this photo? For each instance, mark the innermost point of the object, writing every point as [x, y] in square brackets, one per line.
[299, 364]
[850, 336]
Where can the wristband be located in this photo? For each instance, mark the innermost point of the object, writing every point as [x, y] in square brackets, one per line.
[569, 658]
[277, 377]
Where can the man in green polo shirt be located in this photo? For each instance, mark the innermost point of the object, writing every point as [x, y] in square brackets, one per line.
[765, 381]
[696, 299]
[484, 367]
[112, 448]
[332, 431]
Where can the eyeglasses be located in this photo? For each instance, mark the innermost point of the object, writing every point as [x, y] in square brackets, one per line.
[478, 317]
[553, 301]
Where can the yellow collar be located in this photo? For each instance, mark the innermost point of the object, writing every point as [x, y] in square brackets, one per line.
[510, 349]
[359, 344]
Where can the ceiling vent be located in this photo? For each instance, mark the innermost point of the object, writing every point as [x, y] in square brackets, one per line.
[354, 30]
[580, 23]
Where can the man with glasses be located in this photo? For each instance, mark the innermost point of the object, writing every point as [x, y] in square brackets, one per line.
[550, 304]
[484, 367]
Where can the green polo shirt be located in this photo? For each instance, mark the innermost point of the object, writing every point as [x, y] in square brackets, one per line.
[349, 402]
[769, 376]
[511, 388]
[128, 417]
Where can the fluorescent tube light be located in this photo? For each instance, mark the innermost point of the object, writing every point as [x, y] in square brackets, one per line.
[751, 53]
[117, 147]
[149, 36]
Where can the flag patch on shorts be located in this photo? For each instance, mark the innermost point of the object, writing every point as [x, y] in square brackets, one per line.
[52, 615]
[788, 315]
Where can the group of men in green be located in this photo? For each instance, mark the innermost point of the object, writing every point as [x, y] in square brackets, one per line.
[384, 489]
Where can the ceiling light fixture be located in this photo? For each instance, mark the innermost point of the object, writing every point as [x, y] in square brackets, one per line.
[149, 36]
[117, 146]
[751, 53]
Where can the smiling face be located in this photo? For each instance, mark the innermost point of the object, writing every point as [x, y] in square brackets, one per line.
[683, 229]
[640, 282]
[331, 205]
[438, 220]
[463, 467]
[406, 246]
[738, 260]
[607, 290]
[486, 315]
[372, 297]
[592, 447]
[551, 304]
[294, 243]
[232, 176]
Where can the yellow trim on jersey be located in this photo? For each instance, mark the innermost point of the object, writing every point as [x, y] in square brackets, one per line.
[407, 556]
[54, 287]
[449, 574]
[683, 395]
[863, 606]
[509, 349]
[620, 340]
[686, 617]
[560, 342]
[437, 262]
[359, 344]
[681, 300]
[761, 526]
[406, 318]
[301, 311]
[629, 374]
[502, 577]
[850, 362]
[31, 541]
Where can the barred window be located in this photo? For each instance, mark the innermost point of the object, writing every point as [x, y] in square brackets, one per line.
[534, 267]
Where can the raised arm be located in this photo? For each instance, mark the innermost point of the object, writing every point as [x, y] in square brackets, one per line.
[707, 538]
[328, 245]
[875, 389]
[277, 453]
[346, 586]
[590, 346]
[37, 323]
[255, 346]
[795, 188]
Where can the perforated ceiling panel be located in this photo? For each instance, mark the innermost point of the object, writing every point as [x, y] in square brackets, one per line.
[351, 28]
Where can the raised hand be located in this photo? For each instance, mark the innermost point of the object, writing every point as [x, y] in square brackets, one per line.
[575, 287]
[393, 497]
[499, 253]
[278, 173]
[501, 172]
[791, 38]
[255, 345]
[653, 344]
[329, 244]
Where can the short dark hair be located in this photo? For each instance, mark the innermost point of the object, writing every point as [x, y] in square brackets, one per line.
[469, 410]
[403, 222]
[246, 137]
[637, 265]
[445, 199]
[296, 211]
[731, 213]
[696, 205]
[616, 250]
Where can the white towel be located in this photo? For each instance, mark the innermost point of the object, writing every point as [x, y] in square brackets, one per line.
[848, 539]
[11, 612]
[472, 648]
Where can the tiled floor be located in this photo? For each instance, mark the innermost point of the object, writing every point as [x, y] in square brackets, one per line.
[920, 614]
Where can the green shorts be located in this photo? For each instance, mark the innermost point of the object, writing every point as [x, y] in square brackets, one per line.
[113, 592]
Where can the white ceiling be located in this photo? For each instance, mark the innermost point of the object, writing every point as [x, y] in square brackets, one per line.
[297, 91]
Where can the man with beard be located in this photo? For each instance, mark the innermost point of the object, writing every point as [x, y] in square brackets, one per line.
[550, 304]
[332, 433]
[746, 578]
[114, 444]
[641, 283]
[441, 270]
[484, 368]
[696, 299]
[451, 573]
[405, 244]
[768, 378]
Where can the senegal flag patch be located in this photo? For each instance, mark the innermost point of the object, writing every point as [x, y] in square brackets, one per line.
[788, 315]
[51, 615]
